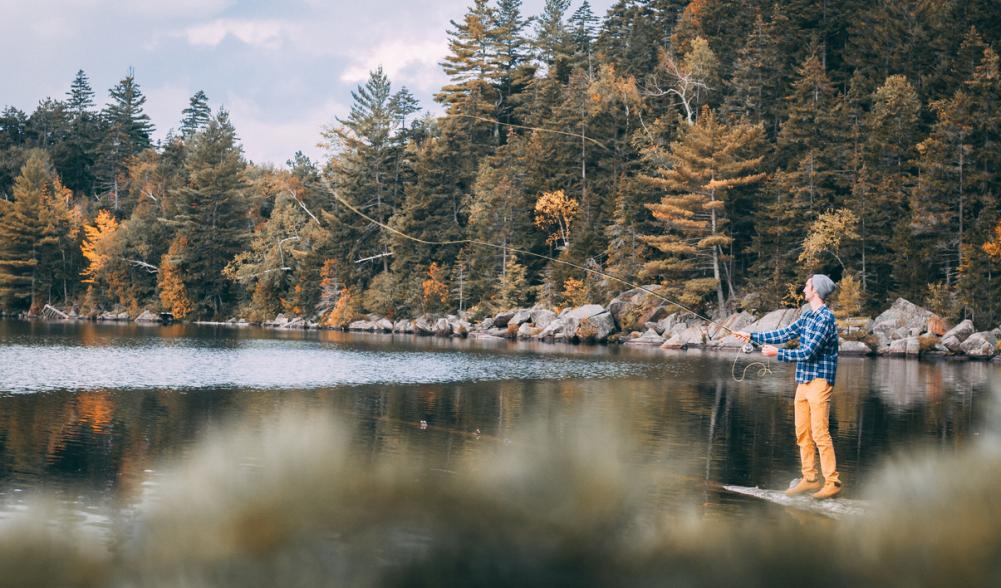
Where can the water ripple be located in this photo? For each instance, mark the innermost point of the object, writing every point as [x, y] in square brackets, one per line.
[273, 364]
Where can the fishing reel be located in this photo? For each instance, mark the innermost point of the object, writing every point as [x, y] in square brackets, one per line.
[747, 348]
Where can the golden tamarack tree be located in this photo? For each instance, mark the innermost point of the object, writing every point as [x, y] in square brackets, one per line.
[697, 173]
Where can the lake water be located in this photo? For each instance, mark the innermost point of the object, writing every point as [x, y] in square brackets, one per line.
[91, 412]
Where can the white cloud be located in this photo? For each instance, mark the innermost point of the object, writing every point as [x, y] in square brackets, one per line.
[414, 64]
[164, 104]
[267, 34]
[269, 140]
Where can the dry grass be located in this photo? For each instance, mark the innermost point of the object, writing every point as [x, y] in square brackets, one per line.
[292, 505]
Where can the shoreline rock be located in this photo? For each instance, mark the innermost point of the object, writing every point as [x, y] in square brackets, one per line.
[637, 318]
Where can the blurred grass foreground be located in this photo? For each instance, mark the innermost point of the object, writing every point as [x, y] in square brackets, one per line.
[288, 504]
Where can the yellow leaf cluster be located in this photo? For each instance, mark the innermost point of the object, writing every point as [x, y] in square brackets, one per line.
[555, 208]
[173, 292]
[993, 248]
[95, 244]
[575, 292]
[344, 311]
[434, 288]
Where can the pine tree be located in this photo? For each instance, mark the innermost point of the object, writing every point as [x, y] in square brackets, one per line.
[500, 213]
[583, 27]
[954, 196]
[85, 129]
[701, 168]
[128, 133]
[813, 176]
[366, 170]
[512, 287]
[212, 215]
[553, 40]
[275, 252]
[891, 131]
[758, 79]
[196, 116]
[37, 232]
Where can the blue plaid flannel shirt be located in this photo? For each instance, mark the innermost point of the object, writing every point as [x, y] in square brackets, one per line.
[817, 355]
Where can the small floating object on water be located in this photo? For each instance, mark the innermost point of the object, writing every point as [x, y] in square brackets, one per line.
[423, 425]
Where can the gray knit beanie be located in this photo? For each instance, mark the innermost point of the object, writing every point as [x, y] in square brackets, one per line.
[823, 285]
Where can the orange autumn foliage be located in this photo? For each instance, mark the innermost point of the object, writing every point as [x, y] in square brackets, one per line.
[993, 248]
[95, 244]
[433, 289]
[173, 293]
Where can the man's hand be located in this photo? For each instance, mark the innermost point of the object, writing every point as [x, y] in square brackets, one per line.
[743, 336]
[769, 351]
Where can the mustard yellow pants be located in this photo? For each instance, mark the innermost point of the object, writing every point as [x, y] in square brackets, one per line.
[812, 409]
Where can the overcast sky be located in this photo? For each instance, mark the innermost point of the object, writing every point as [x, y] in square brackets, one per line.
[283, 69]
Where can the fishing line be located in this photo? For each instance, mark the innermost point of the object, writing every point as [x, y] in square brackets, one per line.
[765, 368]
[528, 128]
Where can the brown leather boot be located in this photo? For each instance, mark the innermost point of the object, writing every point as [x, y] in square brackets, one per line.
[803, 486]
[829, 490]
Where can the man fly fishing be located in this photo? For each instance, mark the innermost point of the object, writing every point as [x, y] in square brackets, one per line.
[816, 363]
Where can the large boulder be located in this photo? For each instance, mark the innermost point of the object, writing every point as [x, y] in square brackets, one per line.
[403, 326]
[528, 331]
[596, 328]
[147, 317]
[683, 338]
[354, 326]
[954, 337]
[903, 319]
[720, 335]
[503, 318]
[650, 337]
[908, 346]
[458, 327]
[542, 317]
[500, 332]
[442, 328]
[279, 321]
[584, 312]
[853, 348]
[384, 324]
[775, 319]
[521, 317]
[634, 308]
[558, 329]
[982, 345]
[424, 325]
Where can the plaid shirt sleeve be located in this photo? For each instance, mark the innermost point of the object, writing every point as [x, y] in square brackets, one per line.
[779, 335]
[814, 332]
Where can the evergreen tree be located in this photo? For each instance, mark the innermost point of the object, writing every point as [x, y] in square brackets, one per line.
[583, 26]
[212, 215]
[366, 170]
[702, 167]
[813, 175]
[500, 213]
[553, 40]
[196, 116]
[128, 133]
[13, 140]
[77, 169]
[37, 238]
[756, 87]
[891, 131]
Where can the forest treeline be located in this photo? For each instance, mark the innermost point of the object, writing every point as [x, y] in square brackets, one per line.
[723, 150]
